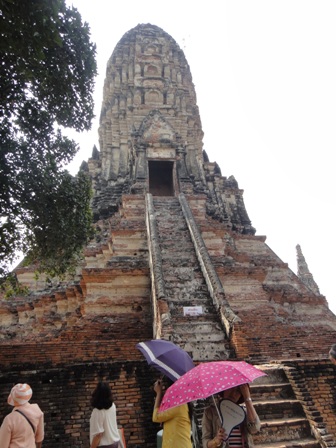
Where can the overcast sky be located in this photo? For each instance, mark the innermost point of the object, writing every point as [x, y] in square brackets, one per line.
[265, 80]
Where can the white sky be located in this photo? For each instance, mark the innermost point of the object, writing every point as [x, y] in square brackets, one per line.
[265, 79]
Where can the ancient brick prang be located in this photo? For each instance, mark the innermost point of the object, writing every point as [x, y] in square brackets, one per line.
[174, 257]
[149, 121]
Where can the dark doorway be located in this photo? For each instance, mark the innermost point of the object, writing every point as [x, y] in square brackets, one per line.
[161, 178]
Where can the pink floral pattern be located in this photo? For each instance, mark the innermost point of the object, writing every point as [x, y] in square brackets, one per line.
[207, 379]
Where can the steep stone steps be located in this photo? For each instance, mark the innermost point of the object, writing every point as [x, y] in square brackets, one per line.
[302, 443]
[289, 428]
[200, 335]
[283, 421]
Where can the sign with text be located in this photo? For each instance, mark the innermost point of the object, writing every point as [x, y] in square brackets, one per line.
[192, 310]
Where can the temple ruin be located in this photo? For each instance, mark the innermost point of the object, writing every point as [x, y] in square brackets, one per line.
[175, 256]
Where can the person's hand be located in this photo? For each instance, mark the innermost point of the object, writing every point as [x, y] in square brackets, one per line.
[245, 391]
[220, 436]
[158, 387]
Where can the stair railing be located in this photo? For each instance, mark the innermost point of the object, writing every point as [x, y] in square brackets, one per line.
[155, 264]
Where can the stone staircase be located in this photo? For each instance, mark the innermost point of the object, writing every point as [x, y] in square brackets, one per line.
[283, 422]
[200, 335]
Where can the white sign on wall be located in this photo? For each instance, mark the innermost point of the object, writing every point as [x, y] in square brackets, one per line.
[192, 310]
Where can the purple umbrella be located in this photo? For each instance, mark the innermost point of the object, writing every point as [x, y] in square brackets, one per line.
[167, 357]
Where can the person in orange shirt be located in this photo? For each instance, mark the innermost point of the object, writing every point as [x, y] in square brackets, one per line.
[24, 426]
[176, 422]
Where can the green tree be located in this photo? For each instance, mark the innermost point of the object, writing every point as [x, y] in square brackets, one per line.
[47, 75]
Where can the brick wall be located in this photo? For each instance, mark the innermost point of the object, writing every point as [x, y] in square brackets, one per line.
[64, 394]
[314, 383]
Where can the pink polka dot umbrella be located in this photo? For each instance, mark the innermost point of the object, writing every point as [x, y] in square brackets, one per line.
[208, 379]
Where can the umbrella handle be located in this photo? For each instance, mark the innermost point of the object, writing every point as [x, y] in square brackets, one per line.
[219, 415]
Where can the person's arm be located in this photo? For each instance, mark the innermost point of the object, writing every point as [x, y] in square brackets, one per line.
[159, 417]
[159, 393]
[164, 416]
[96, 427]
[39, 434]
[209, 438]
[96, 440]
[5, 434]
[218, 440]
[253, 422]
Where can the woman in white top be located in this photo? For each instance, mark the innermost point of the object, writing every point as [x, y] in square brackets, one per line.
[103, 422]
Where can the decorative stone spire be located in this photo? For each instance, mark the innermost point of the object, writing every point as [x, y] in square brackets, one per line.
[150, 133]
[303, 272]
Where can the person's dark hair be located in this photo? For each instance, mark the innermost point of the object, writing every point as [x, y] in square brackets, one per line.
[102, 396]
[190, 411]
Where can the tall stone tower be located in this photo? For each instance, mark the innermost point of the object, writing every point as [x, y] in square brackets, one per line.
[150, 133]
[174, 257]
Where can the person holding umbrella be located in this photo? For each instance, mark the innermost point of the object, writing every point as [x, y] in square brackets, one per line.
[176, 421]
[211, 378]
[213, 434]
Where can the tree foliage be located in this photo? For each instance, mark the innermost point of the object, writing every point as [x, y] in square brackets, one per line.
[47, 72]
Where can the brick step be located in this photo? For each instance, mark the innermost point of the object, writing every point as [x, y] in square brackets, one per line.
[194, 323]
[180, 258]
[178, 301]
[298, 443]
[198, 328]
[166, 202]
[179, 241]
[197, 285]
[275, 375]
[170, 217]
[272, 391]
[208, 339]
[282, 409]
[192, 290]
[190, 297]
[186, 270]
[168, 213]
[172, 256]
[207, 352]
[283, 429]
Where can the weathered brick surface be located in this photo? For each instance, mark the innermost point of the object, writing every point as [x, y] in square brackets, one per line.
[64, 394]
[314, 384]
